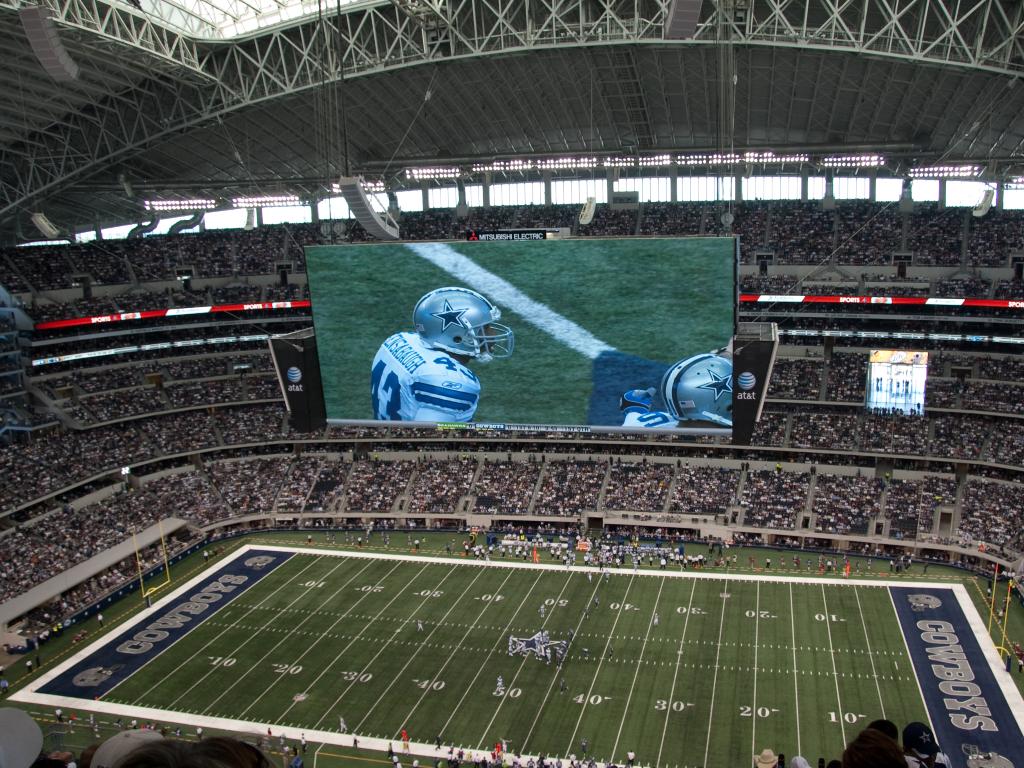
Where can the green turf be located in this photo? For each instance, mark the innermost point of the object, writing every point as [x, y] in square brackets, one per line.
[658, 299]
[343, 632]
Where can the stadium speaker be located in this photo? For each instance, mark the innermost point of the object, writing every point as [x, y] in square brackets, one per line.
[46, 45]
[45, 226]
[984, 204]
[250, 218]
[587, 211]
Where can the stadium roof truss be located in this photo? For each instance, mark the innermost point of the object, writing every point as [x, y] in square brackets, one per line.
[185, 68]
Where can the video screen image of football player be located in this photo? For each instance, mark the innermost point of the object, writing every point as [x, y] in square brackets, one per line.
[423, 375]
[696, 391]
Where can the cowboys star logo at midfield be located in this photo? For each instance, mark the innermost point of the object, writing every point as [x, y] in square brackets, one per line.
[450, 315]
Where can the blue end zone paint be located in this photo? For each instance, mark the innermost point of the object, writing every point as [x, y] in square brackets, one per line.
[964, 701]
[125, 653]
[614, 373]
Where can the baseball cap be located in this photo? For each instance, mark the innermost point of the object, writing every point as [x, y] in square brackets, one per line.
[918, 738]
[119, 746]
[20, 739]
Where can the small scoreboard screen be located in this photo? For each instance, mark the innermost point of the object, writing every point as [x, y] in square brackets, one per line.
[896, 380]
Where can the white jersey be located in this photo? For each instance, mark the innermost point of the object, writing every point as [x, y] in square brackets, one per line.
[412, 382]
[649, 419]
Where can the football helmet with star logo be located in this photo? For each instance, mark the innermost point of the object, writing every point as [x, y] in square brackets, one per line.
[462, 322]
[699, 388]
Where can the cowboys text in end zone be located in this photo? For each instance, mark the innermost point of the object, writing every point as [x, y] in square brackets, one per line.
[423, 376]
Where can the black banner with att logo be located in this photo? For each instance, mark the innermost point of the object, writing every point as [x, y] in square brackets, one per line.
[298, 371]
[752, 359]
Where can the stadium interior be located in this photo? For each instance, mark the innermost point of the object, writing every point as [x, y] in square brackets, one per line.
[164, 164]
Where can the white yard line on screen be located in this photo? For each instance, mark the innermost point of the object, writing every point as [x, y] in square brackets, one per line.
[507, 296]
[600, 663]
[161, 679]
[714, 680]
[871, 655]
[486, 606]
[753, 708]
[796, 688]
[636, 674]
[835, 672]
[675, 674]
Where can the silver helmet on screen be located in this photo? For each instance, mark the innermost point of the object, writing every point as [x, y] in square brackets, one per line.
[462, 322]
[699, 388]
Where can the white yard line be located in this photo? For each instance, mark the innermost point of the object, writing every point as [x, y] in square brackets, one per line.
[753, 709]
[497, 644]
[415, 653]
[327, 668]
[551, 685]
[675, 675]
[910, 661]
[835, 672]
[486, 606]
[274, 617]
[275, 682]
[714, 681]
[796, 690]
[512, 683]
[597, 672]
[871, 656]
[636, 674]
[506, 296]
[215, 638]
[1011, 693]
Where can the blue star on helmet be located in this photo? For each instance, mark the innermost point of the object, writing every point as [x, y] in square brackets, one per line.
[720, 384]
[449, 316]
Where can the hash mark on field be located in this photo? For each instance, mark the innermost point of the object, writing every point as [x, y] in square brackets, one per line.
[506, 295]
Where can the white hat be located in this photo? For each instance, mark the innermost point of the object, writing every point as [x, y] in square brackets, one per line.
[20, 739]
[767, 759]
[120, 745]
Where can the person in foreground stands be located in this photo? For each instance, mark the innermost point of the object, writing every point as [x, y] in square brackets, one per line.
[873, 749]
[921, 749]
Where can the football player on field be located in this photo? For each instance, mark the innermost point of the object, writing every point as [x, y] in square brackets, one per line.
[697, 391]
[423, 376]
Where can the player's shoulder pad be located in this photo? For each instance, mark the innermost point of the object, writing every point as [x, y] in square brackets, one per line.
[442, 388]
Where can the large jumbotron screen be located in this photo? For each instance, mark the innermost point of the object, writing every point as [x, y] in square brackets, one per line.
[570, 326]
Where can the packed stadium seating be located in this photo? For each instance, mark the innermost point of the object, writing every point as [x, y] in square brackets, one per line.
[153, 410]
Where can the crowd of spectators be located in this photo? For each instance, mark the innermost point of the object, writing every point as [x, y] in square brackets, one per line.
[992, 512]
[642, 487]
[846, 503]
[439, 484]
[833, 431]
[570, 487]
[374, 486]
[506, 487]
[704, 490]
[794, 232]
[773, 499]
[847, 372]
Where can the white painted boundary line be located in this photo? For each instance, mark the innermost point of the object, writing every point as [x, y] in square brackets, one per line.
[1011, 693]
[506, 295]
[832, 656]
[753, 708]
[714, 682]
[796, 685]
[871, 656]
[29, 694]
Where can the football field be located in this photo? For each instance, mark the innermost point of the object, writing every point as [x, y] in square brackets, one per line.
[683, 669]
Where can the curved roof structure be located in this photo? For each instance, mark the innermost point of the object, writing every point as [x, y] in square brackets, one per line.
[198, 97]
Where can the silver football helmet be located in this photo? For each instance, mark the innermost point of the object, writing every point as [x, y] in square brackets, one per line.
[699, 388]
[462, 322]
